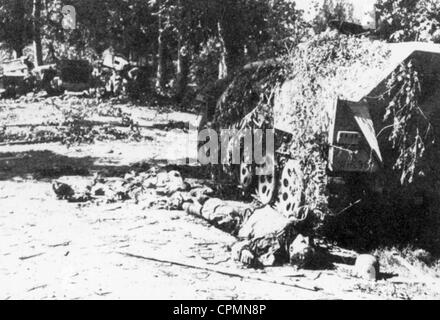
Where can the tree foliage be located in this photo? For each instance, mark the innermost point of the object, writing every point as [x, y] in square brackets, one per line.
[16, 24]
[412, 133]
[410, 20]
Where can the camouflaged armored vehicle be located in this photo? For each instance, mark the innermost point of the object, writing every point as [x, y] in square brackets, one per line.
[358, 150]
[360, 155]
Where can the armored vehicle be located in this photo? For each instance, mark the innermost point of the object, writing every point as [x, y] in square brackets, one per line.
[70, 75]
[16, 77]
[358, 149]
[19, 76]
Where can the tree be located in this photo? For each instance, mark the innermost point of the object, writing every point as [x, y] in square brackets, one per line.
[194, 25]
[230, 31]
[183, 27]
[330, 10]
[36, 16]
[410, 20]
[16, 24]
[253, 29]
[182, 50]
[170, 33]
[160, 73]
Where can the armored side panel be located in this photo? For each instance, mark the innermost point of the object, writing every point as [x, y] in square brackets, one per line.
[353, 143]
[15, 68]
[75, 74]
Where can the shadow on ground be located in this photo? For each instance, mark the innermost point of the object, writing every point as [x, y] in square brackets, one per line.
[42, 164]
[48, 164]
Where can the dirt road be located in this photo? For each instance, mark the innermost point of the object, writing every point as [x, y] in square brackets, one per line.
[51, 249]
[55, 250]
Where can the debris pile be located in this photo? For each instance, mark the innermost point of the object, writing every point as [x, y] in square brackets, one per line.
[153, 189]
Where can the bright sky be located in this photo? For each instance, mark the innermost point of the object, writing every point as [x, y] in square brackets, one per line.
[363, 10]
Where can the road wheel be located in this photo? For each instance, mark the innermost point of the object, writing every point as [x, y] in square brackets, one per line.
[291, 190]
[266, 187]
[247, 175]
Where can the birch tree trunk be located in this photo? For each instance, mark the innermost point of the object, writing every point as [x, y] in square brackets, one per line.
[38, 49]
[160, 73]
[182, 71]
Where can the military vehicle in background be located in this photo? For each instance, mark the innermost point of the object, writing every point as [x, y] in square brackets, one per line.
[118, 75]
[65, 75]
[19, 77]
[113, 75]
[16, 77]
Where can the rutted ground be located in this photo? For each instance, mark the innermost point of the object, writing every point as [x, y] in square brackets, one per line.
[51, 249]
[54, 250]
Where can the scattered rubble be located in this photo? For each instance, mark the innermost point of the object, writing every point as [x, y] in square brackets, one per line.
[153, 189]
